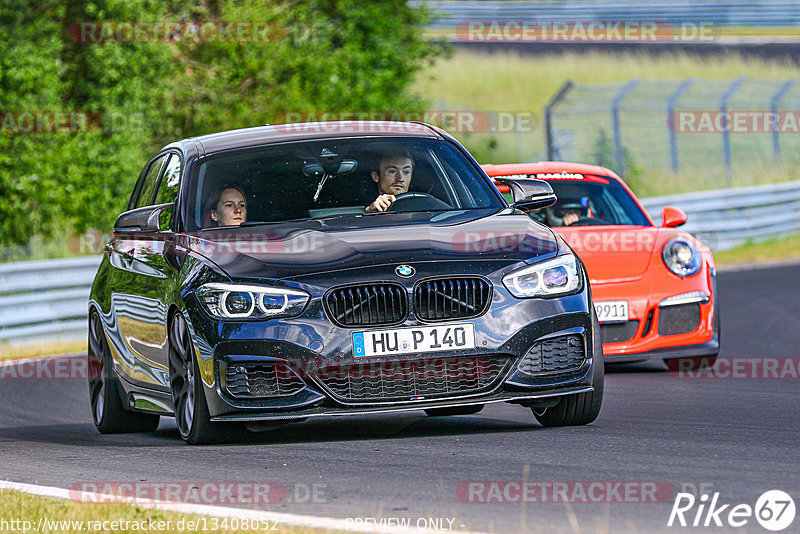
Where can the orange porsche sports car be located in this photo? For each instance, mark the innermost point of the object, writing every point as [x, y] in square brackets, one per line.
[654, 287]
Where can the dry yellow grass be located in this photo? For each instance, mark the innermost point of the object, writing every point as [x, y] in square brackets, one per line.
[15, 352]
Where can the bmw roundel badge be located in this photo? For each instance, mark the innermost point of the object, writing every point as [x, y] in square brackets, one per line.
[405, 271]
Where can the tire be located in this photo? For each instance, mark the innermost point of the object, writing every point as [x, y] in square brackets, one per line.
[188, 398]
[578, 408]
[108, 412]
[455, 410]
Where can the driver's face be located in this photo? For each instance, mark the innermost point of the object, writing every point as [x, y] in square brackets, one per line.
[395, 175]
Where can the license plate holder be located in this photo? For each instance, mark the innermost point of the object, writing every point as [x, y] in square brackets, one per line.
[415, 340]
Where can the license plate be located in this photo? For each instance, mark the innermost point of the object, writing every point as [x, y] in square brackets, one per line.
[414, 340]
[611, 311]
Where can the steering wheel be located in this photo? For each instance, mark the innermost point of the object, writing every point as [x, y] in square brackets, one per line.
[416, 200]
[588, 221]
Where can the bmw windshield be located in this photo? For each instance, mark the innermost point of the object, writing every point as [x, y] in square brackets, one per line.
[328, 178]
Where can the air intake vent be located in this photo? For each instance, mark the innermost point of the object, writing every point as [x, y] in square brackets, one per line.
[555, 355]
[417, 379]
[367, 304]
[443, 299]
[618, 332]
[678, 319]
[261, 379]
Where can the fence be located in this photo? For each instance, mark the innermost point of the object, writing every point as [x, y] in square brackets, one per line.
[694, 125]
[47, 300]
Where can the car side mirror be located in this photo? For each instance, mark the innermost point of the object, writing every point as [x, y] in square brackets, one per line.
[147, 219]
[529, 194]
[672, 217]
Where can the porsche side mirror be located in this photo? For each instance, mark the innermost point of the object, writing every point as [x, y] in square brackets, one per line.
[672, 217]
[146, 219]
[528, 193]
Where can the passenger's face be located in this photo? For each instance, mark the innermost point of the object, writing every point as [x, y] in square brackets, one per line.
[231, 208]
[395, 175]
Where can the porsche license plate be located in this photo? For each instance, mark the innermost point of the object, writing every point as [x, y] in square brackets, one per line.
[414, 340]
[612, 311]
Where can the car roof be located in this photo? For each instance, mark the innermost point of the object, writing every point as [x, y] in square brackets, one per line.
[548, 167]
[280, 133]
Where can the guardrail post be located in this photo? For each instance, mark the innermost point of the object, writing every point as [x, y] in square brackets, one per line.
[726, 126]
[673, 138]
[773, 107]
[548, 121]
[619, 154]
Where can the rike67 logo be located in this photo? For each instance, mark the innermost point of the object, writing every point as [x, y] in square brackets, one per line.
[774, 510]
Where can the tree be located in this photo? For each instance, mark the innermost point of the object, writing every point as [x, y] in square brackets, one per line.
[340, 55]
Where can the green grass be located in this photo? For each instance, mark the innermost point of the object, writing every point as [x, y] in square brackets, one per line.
[784, 248]
[25, 507]
[515, 82]
[43, 248]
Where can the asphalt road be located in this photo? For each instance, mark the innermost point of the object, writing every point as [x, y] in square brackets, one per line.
[737, 437]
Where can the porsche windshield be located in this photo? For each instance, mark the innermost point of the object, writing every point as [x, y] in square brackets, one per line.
[328, 178]
[591, 202]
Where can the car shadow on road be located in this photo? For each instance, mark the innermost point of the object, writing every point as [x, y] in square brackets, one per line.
[355, 428]
[650, 366]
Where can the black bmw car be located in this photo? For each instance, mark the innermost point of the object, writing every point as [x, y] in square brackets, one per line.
[269, 275]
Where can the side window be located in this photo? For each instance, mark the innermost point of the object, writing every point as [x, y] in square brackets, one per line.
[136, 188]
[168, 188]
[148, 188]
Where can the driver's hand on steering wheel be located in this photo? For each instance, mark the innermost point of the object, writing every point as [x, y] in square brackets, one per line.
[570, 218]
[381, 203]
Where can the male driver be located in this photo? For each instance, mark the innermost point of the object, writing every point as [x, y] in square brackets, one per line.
[393, 179]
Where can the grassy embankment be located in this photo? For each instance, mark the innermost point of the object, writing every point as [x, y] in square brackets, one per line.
[508, 82]
[24, 507]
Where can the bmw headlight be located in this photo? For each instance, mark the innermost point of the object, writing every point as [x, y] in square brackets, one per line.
[549, 278]
[235, 301]
[681, 257]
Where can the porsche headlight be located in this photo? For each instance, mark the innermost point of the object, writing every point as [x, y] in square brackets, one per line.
[549, 278]
[681, 257]
[235, 301]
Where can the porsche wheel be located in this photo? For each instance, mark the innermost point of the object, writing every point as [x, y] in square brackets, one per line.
[109, 414]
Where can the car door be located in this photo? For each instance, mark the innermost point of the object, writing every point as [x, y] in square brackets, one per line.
[144, 280]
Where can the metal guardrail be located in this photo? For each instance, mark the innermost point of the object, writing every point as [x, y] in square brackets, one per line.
[728, 217]
[746, 13]
[47, 300]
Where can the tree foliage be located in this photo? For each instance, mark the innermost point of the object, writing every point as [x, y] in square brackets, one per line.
[339, 55]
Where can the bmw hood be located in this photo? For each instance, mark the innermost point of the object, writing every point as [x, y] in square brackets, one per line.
[296, 248]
